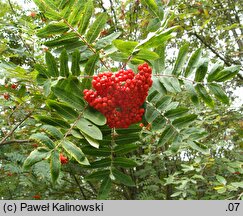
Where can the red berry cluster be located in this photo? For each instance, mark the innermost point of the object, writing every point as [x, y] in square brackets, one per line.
[63, 159]
[119, 96]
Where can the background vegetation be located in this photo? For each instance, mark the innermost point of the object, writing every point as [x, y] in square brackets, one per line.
[190, 143]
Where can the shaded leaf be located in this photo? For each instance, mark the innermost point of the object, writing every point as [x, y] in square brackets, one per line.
[51, 65]
[124, 162]
[123, 178]
[99, 175]
[52, 121]
[96, 27]
[62, 109]
[89, 128]
[106, 41]
[201, 71]
[183, 121]
[55, 165]
[52, 29]
[95, 116]
[64, 70]
[202, 92]
[35, 156]
[75, 63]
[52, 131]
[105, 188]
[71, 99]
[43, 139]
[193, 61]
[166, 135]
[74, 151]
[218, 93]
[85, 17]
[181, 58]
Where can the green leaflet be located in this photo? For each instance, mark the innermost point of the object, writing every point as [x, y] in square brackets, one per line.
[218, 93]
[52, 131]
[52, 29]
[199, 147]
[63, 40]
[202, 92]
[52, 121]
[183, 121]
[42, 70]
[124, 162]
[171, 84]
[145, 54]
[95, 116]
[106, 41]
[201, 71]
[49, 9]
[91, 141]
[151, 113]
[63, 110]
[214, 71]
[74, 16]
[174, 113]
[47, 87]
[43, 139]
[100, 152]
[225, 74]
[35, 156]
[154, 25]
[157, 38]
[105, 188]
[71, 99]
[64, 70]
[192, 92]
[75, 152]
[89, 128]
[101, 163]
[75, 63]
[193, 61]
[51, 65]
[55, 165]
[122, 178]
[152, 7]
[125, 46]
[166, 135]
[85, 17]
[122, 139]
[221, 179]
[89, 70]
[158, 86]
[124, 149]
[99, 175]
[90, 65]
[159, 64]
[181, 58]
[96, 27]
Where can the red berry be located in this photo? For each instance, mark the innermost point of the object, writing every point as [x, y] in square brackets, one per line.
[14, 86]
[33, 14]
[37, 196]
[6, 96]
[63, 159]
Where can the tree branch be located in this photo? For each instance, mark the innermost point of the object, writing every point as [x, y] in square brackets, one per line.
[15, 141]
[79, 186]
[15, 127]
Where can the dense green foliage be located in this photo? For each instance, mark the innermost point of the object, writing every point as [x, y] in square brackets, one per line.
[189, 145]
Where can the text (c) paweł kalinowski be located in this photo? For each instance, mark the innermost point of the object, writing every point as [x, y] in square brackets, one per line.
[61, 207]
